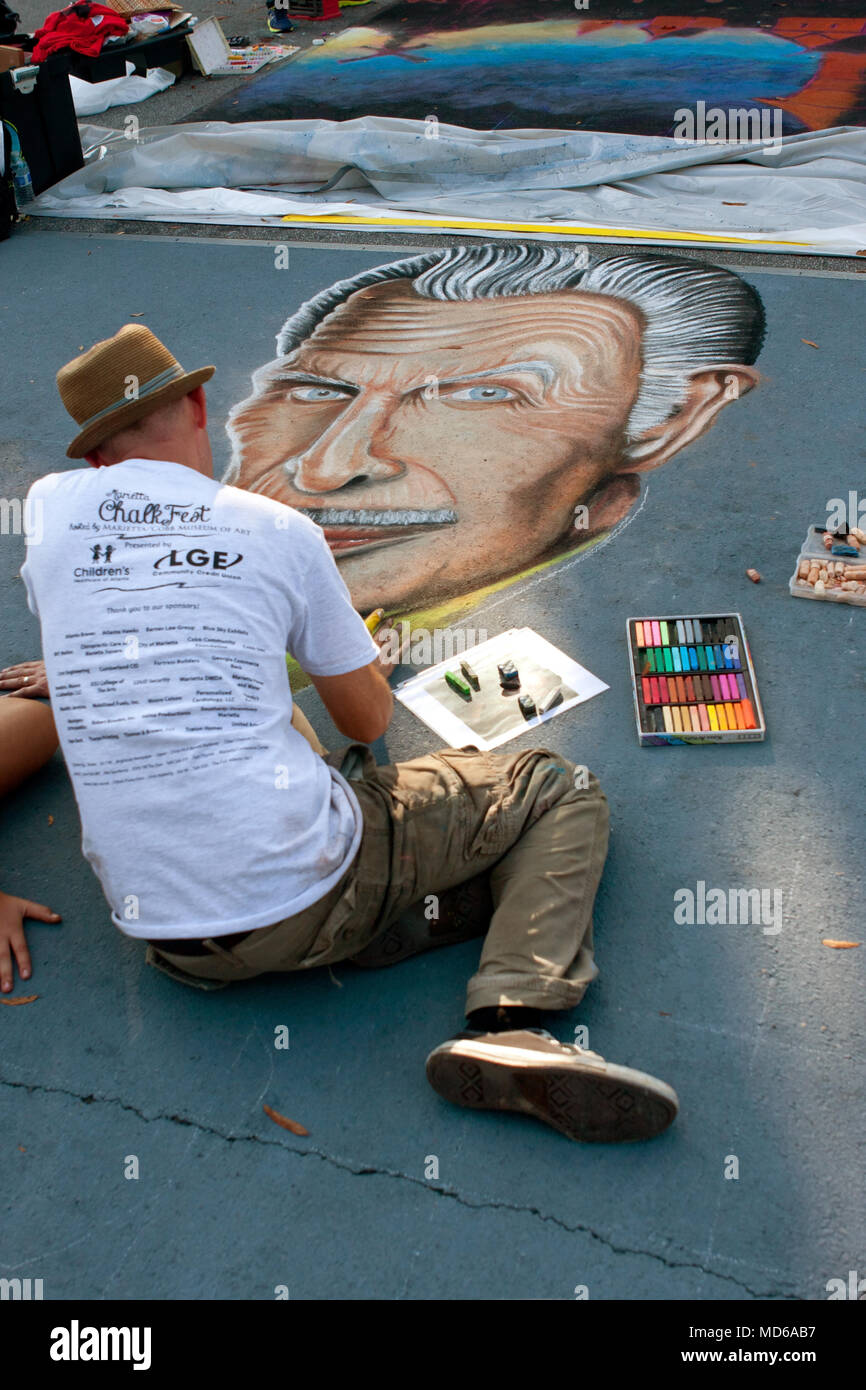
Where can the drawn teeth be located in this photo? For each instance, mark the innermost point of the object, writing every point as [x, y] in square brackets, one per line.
[364, 516]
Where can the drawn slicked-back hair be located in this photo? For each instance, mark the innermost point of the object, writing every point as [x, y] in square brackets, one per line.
[695, 316]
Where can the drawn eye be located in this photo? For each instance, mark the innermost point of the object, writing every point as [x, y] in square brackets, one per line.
[483, 395]
[318, 393]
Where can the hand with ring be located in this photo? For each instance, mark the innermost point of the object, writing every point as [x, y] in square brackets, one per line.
[27, 679]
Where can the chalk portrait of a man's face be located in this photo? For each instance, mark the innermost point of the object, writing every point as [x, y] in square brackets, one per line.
[443, 417]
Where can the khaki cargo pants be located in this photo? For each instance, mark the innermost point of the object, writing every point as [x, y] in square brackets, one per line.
[531, 820]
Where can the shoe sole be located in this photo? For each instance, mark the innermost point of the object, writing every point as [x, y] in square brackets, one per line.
[586, 1101]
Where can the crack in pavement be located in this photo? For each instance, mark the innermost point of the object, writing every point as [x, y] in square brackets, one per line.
[367, 1170]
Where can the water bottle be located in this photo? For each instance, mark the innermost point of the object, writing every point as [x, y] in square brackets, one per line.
[20, 170]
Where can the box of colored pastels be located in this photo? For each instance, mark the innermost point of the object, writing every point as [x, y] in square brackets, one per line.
[693, 680]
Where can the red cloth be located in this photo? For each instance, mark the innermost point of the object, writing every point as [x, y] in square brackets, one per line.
[83, 27]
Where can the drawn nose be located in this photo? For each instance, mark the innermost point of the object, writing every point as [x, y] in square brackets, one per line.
[352, 449]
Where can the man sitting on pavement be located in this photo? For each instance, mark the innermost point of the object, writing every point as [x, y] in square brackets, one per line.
[167, 603]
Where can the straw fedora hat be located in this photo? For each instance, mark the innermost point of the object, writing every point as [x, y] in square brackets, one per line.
[120, 380]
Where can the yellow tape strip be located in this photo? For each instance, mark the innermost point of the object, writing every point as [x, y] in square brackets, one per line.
[554, 229]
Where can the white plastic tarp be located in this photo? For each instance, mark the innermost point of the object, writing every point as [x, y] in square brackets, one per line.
[803, 193]
[91, 98]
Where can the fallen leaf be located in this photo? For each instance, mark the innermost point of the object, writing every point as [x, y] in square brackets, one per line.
[808, 342]
[50, 820]
[732, 205]
[663, 1014]
[21, 1150]
[834, 945]
[22, 999]
[278, 1119]
[137, 316]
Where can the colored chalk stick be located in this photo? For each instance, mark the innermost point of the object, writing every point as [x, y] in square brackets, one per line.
[730, 716]
[690, 688]
[663, 689]
[526, 705]
[647, 690]
[713, 718]
[684, 658]
[693, 659]
[675, 718]
[702, 658]
[638, 635]
[657, 636]
[675, 658]
[458, 684]
[698, 630]
[711, 660]
[695, 718]
[690, 631]
[666, 658]
[738, 715]
[681, 632]
[665, 631]
[705, 723]
[654, 691]
[469, 675]
[556, 697]
[749, 715]
[669, 723]
[722, 718]
[741, 686]
[719, 656]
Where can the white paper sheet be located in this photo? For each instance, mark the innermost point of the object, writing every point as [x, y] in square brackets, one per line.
[426, 694]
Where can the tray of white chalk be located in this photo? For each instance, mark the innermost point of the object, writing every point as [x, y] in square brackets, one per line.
[839, 578]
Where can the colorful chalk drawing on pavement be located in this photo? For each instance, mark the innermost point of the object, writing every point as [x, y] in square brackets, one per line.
[502, 67]
[464, 417]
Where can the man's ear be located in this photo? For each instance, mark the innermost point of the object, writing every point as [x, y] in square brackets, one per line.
[709, 391]
[199, 404]
[96, 458]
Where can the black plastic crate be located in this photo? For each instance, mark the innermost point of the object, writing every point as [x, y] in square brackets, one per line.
[44, 118]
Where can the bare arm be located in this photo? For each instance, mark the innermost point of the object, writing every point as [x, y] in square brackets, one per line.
[28, 739]
[359, 702]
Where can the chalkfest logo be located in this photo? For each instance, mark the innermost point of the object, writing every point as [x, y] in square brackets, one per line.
[77, 1343]
[116, 508]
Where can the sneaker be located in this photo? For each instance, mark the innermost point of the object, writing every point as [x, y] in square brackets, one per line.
[464, 912]
[279, 22]
[575, 1091]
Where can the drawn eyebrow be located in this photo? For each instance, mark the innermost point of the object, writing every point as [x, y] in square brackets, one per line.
[541, 369]
[310, 379]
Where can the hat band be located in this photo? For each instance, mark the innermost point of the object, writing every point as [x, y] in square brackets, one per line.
[148, 389]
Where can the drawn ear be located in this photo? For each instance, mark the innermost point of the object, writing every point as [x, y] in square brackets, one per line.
[612, 501]
[709, 391]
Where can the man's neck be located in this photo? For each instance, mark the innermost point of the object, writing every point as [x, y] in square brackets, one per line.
[203, 466]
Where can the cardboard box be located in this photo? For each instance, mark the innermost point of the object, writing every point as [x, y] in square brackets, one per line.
[12, 58]
[131, 7]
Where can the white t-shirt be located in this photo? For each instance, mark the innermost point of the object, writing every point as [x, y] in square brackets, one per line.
[167, 603]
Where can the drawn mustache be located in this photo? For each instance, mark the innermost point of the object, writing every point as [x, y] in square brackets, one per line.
[369, 516]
